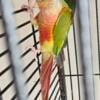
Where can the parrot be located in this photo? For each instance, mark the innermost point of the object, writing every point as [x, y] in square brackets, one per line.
[54, 20]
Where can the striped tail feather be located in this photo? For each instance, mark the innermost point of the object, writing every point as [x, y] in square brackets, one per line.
[46, 70]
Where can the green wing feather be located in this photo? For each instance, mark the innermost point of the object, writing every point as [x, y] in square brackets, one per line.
[61, 29]
[71, 4]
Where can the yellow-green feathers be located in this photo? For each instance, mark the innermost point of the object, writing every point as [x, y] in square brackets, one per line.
[61, 29]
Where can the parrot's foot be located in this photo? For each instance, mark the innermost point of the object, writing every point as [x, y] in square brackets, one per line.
[32, 13]
[35, 51]
[30, 6]
[25, 7]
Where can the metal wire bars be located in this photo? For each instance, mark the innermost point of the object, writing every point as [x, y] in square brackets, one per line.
[73, 74]
[34, 91]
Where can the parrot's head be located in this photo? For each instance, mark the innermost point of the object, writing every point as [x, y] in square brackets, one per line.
[71, 4]
[43, 3]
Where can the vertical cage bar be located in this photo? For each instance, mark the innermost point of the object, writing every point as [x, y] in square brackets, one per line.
[97, 21]
[76, 61]
[61, 78]
[14, 51]
[85, 39]
[70, 72]
[0, 95]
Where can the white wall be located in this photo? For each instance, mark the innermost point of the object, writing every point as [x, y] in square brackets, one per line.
[75, 60]
[74, 83]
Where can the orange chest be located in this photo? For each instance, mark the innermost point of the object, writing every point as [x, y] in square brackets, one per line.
[46, 24]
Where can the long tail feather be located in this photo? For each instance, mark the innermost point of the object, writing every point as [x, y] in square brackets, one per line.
[45, 77]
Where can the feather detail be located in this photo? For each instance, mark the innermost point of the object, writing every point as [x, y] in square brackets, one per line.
[45, 75]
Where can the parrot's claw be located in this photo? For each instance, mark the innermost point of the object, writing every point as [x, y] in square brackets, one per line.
[28, 7]
[25, 7]
[34, 51]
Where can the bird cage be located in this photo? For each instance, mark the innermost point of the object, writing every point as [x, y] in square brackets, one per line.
[77, 78]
